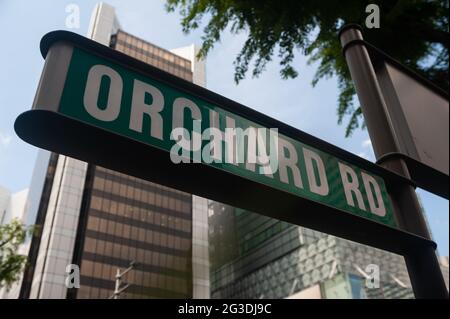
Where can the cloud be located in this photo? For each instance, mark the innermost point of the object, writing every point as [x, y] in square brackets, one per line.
[363, 155]
[366, 143]
[367, 151]
[5, 139]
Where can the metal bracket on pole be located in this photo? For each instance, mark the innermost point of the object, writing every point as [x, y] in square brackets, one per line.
[118, 283]
[423, 265]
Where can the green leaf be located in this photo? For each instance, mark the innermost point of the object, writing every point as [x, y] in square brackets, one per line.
[415, 32]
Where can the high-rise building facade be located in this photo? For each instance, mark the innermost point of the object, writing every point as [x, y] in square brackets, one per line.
[4, 199]
[273, 259]
[102, 220]
[12, 205]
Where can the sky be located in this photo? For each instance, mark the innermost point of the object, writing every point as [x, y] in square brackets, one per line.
[295, 102]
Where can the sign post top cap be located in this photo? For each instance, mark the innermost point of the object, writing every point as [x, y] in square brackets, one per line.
[349, 26]
[52, 37]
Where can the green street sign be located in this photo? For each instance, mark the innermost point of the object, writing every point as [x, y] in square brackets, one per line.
[118, 99]
[101, 106]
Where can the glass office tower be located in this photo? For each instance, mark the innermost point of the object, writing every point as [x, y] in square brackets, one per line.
[151, 54]
[102, 220]
[269, 258]
[125, 219]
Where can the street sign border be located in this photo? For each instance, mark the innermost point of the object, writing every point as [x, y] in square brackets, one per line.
[38, 127]
[229, 105]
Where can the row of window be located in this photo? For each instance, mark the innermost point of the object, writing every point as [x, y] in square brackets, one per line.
[131, 208]
[145, 219]
[137, 43]
[102, 288]
[159, 242]
[124, 208]
[153, 55]
[261, 256]
[138, 233]
[126, 180]
[257, 239]
[131, 180]
[102, 249]
[156, 62]
[137, 276]
[129, 194]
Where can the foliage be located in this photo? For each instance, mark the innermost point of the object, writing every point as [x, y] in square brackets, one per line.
[415, 32]
[12, 235]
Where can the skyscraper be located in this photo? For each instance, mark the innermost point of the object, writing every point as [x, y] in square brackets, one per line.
[102, 220]
[273, 259]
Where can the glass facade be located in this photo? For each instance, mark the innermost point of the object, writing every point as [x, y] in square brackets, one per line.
[256, 263]
[126, 219]
[129, 219]
[152, 54]
[269, 258]
[40, 219]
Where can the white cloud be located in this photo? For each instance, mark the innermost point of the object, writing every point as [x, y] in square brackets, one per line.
[366, 143]
[5, 139]
[367, 151]
[363, 155]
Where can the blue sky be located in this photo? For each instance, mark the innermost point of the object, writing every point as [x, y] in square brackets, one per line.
[295, 102]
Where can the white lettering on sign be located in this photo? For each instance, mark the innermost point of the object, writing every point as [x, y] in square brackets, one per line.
[179, 106]
[231, 156]
[212, 152]
[371, 187]
[139, 108]
[217, 137]
[91, 94]
[251, 146]
[289, 161]
[378, 207]
[351, 186]
[320, 188]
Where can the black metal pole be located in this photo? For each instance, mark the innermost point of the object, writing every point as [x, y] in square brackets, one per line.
[423, 265]
[425, 274]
